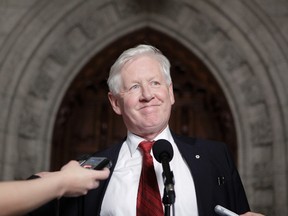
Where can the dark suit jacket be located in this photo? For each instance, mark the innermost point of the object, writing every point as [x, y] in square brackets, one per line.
[215, 177]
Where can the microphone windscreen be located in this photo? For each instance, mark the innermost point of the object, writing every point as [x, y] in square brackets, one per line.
[162, 148]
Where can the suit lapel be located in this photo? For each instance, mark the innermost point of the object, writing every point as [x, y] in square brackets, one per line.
[199, 167]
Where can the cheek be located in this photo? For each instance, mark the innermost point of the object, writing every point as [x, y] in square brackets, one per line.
[167, 97]
[129, 103]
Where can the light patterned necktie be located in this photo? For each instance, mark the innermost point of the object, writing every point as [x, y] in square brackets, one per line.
[148, 199]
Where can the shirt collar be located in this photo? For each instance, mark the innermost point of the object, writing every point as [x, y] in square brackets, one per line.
[134, 140]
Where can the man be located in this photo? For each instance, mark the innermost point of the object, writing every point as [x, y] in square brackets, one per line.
[19, 197]
[205, 176]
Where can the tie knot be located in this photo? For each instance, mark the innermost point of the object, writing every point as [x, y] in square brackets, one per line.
[146, 146]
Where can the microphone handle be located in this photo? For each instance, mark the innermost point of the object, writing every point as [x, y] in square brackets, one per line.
[169, 193]
[169, 178]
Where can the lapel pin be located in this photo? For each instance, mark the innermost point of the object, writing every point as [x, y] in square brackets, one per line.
[197, 156]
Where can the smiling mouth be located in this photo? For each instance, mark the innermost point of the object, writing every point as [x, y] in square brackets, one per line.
[149, 106]
[149, 109]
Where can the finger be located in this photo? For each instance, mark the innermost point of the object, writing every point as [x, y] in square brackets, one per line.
[101, 174]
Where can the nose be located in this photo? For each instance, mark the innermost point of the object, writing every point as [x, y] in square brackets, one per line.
[146, 93]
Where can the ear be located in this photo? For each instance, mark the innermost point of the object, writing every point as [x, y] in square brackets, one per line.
[171, 94]
[114, 103]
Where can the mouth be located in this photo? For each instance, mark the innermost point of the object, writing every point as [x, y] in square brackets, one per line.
[149, 109]
[149, 106]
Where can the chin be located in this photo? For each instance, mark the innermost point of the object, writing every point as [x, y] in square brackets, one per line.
[151, 129]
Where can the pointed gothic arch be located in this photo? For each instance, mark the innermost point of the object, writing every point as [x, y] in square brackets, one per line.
[242, 45]
[86, 123]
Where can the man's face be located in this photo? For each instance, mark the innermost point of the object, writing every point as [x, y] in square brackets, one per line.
[145, 99]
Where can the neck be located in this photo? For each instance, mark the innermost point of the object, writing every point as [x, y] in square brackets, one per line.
[149, 136]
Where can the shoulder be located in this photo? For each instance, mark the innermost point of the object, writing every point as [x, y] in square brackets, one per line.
[214, 150]
[198, 142]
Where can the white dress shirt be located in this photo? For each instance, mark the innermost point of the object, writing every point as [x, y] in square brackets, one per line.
[121, 194]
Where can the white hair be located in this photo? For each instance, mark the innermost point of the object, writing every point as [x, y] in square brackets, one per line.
[114, 80]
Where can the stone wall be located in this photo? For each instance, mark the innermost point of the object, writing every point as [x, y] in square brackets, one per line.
[43, 44]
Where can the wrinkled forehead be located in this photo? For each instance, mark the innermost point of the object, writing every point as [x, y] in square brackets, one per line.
[142, 67]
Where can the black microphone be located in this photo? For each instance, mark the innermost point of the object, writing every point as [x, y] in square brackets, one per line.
[163, 153]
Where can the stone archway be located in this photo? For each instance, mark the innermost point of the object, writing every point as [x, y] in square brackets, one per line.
[237, 41]
[85, 122]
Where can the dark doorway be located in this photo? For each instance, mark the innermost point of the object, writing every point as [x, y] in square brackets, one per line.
[86, 123]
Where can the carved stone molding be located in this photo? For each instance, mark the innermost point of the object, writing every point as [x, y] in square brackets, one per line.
[41, 56]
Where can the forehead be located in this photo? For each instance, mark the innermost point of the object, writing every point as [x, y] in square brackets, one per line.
[145, 64]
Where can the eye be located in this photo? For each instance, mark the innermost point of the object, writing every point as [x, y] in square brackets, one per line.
[134, 87]
[155, 83]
